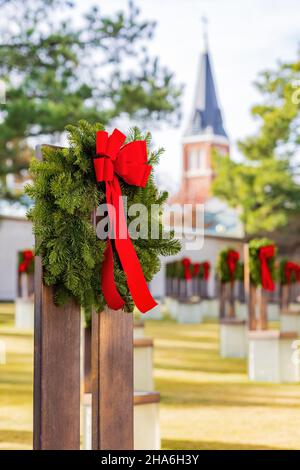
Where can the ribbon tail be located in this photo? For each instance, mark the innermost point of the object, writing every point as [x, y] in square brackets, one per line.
[267, 281]
[134, 275]
[130, 263]
[108, 284]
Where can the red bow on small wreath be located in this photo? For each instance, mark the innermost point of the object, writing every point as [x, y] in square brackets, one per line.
[266, 252]
[27, 258]
[196, 269]
[130, 163]
[186, 262]
[290, 268]
[232, 259]
[206, 269]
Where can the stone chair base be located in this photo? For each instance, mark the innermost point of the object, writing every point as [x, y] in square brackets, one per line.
[189, 312]
[273, 311]
[24, 314]
[171, 304]
[290, 321]
[241, 310]
[145, 416]
[233, 338]
[210, 308]
[146, 421]
[138, 330]
[270, 357]
[143, 364]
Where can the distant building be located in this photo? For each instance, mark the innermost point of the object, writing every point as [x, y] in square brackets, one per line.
[15, 235]
[205, 133]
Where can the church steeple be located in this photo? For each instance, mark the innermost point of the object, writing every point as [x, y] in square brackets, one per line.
[206, 117]
[205, 135]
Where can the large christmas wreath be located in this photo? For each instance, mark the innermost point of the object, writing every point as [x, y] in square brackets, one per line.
[66, 193]
[262, 255]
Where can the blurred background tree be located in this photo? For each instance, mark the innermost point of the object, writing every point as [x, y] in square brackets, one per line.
[57, 72]
[265, 184]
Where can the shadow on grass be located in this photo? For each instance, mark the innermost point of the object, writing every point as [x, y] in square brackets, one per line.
[16, 437]
[173, 444]
[227, 395]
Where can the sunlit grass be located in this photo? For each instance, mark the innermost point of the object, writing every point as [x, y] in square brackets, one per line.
[207, 402]
[15, 386]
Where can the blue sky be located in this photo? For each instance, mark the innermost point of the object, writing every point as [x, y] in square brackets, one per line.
[245, 37]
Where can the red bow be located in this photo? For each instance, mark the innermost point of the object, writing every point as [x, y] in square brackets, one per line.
[186, 262]
[232, 259]
[206, 269]
[130, 163]
[290, 268]
[266, 252]
[196, 269]
[27, 258]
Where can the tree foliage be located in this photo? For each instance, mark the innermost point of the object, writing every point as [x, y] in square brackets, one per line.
[265, 184]
[58, 70]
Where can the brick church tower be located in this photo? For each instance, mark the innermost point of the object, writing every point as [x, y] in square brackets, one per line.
[205, 132]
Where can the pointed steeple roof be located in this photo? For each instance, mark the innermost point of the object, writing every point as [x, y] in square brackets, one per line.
[206, 116]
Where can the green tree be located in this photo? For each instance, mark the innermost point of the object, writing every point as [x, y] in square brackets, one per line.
[58, 71]
[264, 185]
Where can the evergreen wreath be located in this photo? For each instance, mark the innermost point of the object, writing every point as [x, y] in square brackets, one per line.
[172, 269]
[66, 194]
[202, 269]
[254, 261]
[222, 268]
[239, 272]
[282, 274]
[179, 270]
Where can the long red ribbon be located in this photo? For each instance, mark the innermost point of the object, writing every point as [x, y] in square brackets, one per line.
[232, 259]
[196, 269]
[266, 252]
[130, 163]
[27, 258]
[290, 268]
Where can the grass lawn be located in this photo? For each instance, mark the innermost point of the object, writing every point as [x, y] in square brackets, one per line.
[207, 402]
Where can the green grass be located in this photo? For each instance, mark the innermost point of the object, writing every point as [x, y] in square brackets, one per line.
[207, 402]
[15, 384]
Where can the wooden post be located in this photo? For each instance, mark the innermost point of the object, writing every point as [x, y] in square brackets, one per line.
[56, 420]
[284, 298]
[222, 296]
[231, 300]
[250, 291]
[263, 306]
[87, 360]
[112, 380]
[227, 307]
[252, 315]
[56, 370]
